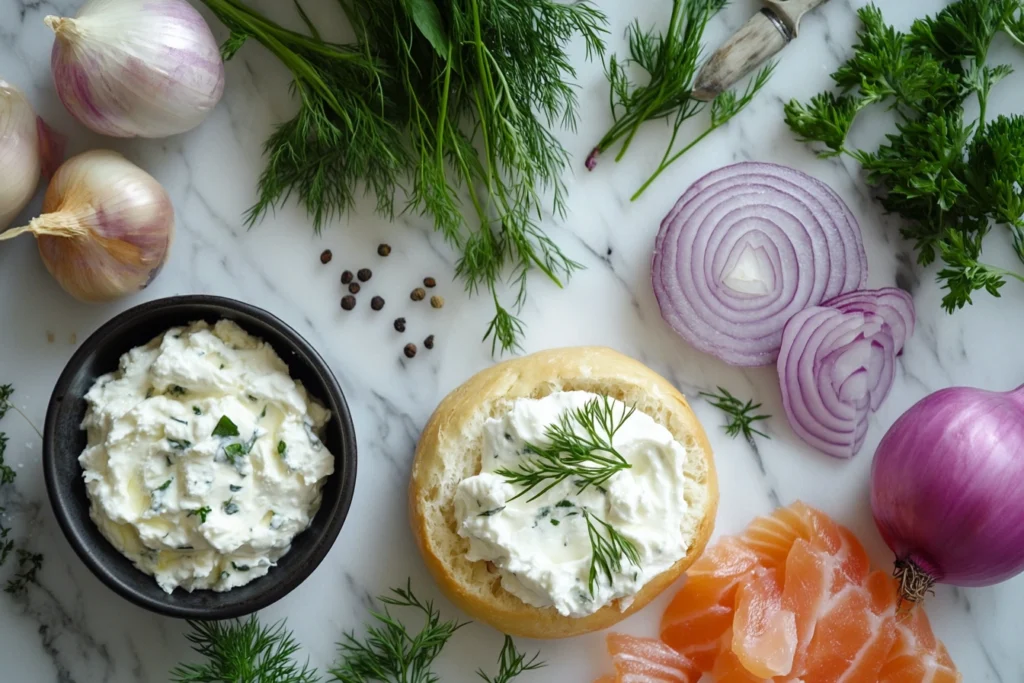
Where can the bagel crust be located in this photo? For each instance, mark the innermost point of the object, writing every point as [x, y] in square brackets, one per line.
[449, 451]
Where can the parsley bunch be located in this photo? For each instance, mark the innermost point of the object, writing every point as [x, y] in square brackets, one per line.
[439, 109]
[952, 180]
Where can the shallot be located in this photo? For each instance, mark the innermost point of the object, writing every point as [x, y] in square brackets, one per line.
[128, 68]
[947, 489]
[106, 229]
[28, 147]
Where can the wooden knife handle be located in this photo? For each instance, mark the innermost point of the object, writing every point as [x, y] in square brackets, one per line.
[790, 11]
[759, 39]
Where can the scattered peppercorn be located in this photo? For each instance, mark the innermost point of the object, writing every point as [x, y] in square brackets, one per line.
[417, 294]
[348, 302]
[364, 274]
[429, 282]
[346, 277]
[437, 301]
[377, 303]
[400, 324]
[354, 287]
[325, 256]
[429, 342]
[384, 250]
[410, 350]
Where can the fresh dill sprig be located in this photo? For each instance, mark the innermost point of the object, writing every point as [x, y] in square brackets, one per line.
[390, 653]
[949, 178]
[671, 61]
[608, 547]
[243, 652]
[511, 663]
[5, 399]
[581, 448]
[452, 102]
[741, 415]
[29, 564]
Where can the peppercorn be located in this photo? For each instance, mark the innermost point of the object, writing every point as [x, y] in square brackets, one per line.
[410, 350]
[325, 256]
[354, 287]
[346, 277]
[348, 302]
[429, 282]
[400, 324]
[436, 301]
[377, 303]
[417, 294]
[364, 274]
[429, 342]
[384, 250]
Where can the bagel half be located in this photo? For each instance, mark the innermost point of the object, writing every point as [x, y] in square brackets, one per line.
[450, 451]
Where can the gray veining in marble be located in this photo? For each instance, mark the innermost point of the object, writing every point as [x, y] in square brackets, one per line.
[71, 629]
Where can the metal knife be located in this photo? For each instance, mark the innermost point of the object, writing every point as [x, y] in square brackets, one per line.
[763, 36]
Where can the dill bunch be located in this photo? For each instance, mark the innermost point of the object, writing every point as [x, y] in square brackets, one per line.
[439, 109]
[951, 179]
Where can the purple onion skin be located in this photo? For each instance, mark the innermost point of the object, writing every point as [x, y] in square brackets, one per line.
[947, 486]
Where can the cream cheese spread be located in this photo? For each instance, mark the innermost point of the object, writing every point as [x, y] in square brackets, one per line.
[542, 547]
[203, 459]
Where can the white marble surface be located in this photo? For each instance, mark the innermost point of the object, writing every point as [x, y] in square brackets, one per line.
[70, 628]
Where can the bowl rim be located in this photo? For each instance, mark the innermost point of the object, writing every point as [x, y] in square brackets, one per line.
[107, 334]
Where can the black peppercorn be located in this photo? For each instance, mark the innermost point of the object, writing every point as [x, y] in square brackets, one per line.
[348, 302]
[364, 274]
[410, 350]
[429, 282]
[429, 342]
[346, 277]
[384, 250]
[417, 294]
[354, 287]
[377, 303]
[400, 324]
[325, 256]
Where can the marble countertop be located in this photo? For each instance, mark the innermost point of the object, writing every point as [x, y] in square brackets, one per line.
[71, 629]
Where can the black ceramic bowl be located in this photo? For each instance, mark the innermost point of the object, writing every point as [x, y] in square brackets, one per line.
[63, 441]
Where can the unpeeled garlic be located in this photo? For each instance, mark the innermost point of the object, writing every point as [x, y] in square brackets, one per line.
[106, 229]
[27, 148]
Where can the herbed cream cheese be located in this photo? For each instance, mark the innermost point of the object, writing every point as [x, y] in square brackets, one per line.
[542, 547]
[203, 459]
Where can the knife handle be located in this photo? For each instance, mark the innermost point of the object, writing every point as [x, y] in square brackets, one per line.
[760, 38]
[791, 11]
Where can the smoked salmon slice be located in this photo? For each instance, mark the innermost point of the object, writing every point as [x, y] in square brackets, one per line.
[702, 610]
[790, 600]
[648, 660]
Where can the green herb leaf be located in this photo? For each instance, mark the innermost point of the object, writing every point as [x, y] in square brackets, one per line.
[230, 507]
[608, 548]
[6, 391]
[201, 513]
[741, 415]
[511, 663]
[243, 652]
[428, 20]
[29, 564]
[175, 390]
[164, 486]
[196, 410]
[281, 447]
[225, 427]
[179, 444]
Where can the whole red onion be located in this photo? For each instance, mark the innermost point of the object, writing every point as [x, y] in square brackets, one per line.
[947, 489]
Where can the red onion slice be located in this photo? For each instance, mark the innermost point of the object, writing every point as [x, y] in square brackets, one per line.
[894, 305]
[745, 248]
[835, 369]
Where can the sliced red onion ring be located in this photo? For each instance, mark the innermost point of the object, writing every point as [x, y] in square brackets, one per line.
[745, 248]
[894, 305]
[835, 369]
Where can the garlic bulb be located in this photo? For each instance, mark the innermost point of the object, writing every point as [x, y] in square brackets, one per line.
[27, 147]
[106, 229]
[128, 68]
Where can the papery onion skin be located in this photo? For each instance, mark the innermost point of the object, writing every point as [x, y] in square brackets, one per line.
[20, 161]
[128, 225]
[835, 369]
[137, 68]
[779, 220]
[947, 486]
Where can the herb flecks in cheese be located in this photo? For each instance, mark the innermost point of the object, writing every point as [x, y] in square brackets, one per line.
[182, 466]
[597, 534]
